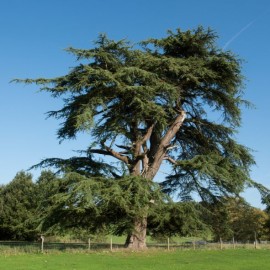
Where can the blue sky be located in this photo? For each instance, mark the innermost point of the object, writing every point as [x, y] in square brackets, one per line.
[34, 35]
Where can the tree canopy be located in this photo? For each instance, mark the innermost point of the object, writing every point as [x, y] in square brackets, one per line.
[175, 99]
[18, 206]
[235, 218]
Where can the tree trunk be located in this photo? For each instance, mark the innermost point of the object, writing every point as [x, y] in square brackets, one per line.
[137, 238]
[147, 164]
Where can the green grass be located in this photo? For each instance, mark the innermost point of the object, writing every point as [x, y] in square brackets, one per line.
[182, 260]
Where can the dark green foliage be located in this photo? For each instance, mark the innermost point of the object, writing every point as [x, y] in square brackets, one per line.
[218, 219]
[182, 219]
[46, 186]
[98, 204]
[130, 98]
[17, 212]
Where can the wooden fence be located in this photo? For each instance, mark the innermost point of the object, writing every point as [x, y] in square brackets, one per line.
[45, 246]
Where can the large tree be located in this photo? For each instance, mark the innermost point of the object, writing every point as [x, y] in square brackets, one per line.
[175, 99]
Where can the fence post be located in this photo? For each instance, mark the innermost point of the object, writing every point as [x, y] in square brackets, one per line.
[220, 239]
[255, 237]
[89, 243]
[111, 246]
[233, 243]
[42, 243]
[194, 244]
[168, 244]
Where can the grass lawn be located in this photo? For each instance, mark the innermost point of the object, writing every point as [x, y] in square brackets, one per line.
[183, 260]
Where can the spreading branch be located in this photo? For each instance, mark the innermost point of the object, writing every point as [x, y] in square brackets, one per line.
[170, 159]
[173, 129]
[147, 135]
[110, 152]
[165, 144]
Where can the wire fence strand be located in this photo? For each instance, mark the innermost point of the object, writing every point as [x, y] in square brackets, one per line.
[34, 247]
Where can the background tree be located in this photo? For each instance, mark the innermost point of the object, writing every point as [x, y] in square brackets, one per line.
[179, 219]
[218, 219]
[246, 221]
[234, 217]
[17, 211]
[176, 99]
[46, 186]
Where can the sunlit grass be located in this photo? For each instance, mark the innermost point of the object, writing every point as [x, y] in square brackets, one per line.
[184, 260]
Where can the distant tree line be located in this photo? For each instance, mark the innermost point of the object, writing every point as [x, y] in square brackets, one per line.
[29, 208]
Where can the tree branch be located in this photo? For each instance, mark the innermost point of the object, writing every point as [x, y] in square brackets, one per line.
[110, 152]
[123, 147]
[164, 144]
[170, 159]
[147, 135]
[145, 161]
[173, 129]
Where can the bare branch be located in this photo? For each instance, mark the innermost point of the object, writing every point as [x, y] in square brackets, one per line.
[174, 128]
[164, 144]
[145, 161]
[170, 160]
[117, 155]
[170, 147]
[110, 152]
[148, 134]
[124, 152]
[123, 147]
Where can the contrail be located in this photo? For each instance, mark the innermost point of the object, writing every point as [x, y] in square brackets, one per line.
[238, 34]
[245, 28]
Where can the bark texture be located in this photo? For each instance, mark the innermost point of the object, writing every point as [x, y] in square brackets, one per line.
[137, 239]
